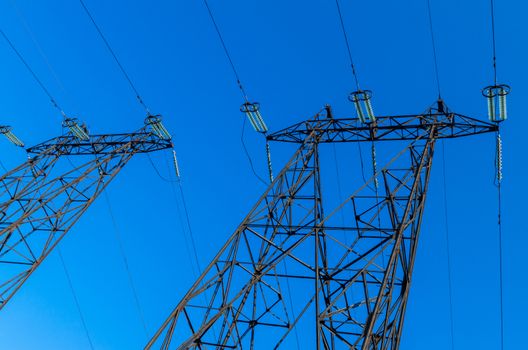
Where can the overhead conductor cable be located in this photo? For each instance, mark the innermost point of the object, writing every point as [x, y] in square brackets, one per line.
[497, 113]
[441, 109]
[361, 100]
[250, 109]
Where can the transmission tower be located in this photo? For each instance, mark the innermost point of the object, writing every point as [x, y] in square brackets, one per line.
[45, 196]
[351, 292]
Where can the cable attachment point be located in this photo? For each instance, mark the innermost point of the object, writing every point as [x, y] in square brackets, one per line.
[361, 100]
[155, 124]
[496, 96]
[78, 130]
[268, 155]
[252, 111]
[6, 130]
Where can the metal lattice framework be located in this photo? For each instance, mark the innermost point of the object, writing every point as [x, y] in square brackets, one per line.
[349, 278]
[44, 197]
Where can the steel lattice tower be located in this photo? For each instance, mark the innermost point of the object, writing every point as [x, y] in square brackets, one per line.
[44, 197]
[352, 292]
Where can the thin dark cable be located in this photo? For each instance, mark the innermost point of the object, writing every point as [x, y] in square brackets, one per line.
[376, 192]
[446, 223]
[157, 171]
[107, 44]
[498, 182]
[437, 75]
[3, 166]
[189, 227]
[125, 263]
[188, 220]
[33, 37]
[500, 265]
[296, 333]
[195, 264]
[361, 163]
[35, 77]
[186, 212]
[493, 41]
[248, 155]
[226, 51]
[76, 300]
[349, 50]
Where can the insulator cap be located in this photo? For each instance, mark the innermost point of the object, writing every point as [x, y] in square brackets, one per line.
[495, 93]
[4, 129]
[361, 100]
[250, 107]
[360, 95]
[155, 123]
[252, 111]
[496, 90]
[76, 129]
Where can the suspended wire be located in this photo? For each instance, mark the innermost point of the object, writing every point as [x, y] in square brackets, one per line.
[40, 50]
[356, 79]
[191, 252]
[498, 165]
[349, 50]
[112, 52]
[240, 86]
[125, 263]
[248, 156]
[3, 166]
[76, 300]
[499, 218]
[295, 332]
[431, 29]
[189, 227]
[498, 184]
[186, 211]
[226, 51]
[188, 241]
[493, 41]
[361, 162]
[446, 225]
[32, 72]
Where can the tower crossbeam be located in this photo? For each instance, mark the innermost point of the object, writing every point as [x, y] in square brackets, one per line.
[340, 276]
[42, 199]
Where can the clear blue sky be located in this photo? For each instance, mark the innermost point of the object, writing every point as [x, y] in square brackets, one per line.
[292, 59]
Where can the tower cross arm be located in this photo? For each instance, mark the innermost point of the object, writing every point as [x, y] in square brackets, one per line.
[388, 128]
[136, 142]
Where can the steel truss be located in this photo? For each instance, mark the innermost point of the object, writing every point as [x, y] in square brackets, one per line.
[44, 197]
[349, 279]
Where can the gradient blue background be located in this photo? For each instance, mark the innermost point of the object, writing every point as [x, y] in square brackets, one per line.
[291, 57]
